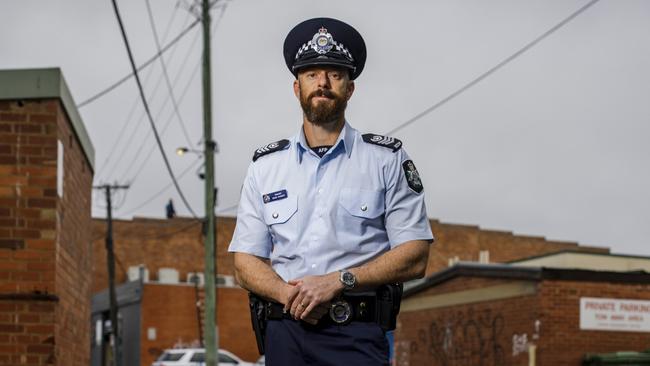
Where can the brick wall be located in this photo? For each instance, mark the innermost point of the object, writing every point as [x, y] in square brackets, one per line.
[468, 334]
[171, 310]
[563, 342]
[498, 332]
[461, 284]
[44, 251]
[74, 252]
[175, 243]
[466, 242]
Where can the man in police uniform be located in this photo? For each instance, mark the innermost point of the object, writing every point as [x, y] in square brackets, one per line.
[330, 216]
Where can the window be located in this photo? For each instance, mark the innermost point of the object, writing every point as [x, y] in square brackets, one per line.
[198, 357]
[227, 359]
[167, 356]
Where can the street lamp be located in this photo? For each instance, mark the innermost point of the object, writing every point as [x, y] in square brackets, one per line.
[184, 150]
[180, 151]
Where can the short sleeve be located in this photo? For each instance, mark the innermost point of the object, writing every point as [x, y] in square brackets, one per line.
[406, 214]
[251, 233]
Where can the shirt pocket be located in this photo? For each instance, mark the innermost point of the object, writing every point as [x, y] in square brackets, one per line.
[360, 220]
[362, 203]
[279, 212]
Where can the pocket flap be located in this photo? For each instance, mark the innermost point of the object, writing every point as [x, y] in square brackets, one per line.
[278, 212]
[368, 203]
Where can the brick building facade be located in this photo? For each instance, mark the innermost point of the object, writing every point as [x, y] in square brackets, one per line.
[177, 243]
[494, 315]
[46, 169]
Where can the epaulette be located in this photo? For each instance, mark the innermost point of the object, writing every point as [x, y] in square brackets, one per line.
[270, 148]
[385, 141]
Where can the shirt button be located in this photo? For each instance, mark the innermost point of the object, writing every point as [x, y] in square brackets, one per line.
[313, 266]
[364, 207]
[320, 190]
[275, 215]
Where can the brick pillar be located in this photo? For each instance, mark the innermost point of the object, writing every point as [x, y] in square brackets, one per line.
[45, 190]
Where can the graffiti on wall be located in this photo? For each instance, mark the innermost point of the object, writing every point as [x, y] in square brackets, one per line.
[519, 344]
[464, 338]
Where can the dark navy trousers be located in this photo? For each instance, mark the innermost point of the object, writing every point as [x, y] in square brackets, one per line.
[290, 342]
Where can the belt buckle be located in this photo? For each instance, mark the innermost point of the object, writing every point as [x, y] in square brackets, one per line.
[341, 312]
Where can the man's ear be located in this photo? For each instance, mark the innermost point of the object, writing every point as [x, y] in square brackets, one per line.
[296, 88]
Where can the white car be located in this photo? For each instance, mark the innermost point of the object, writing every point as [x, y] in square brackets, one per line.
[196, 357]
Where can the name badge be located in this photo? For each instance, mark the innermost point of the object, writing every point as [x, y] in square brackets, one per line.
[275, 196]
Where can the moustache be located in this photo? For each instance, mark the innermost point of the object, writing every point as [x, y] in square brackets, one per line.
[322, 93]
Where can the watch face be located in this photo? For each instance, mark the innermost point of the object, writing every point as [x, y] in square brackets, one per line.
[348, 279]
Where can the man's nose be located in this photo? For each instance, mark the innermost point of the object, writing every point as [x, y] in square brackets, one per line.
[323, 80]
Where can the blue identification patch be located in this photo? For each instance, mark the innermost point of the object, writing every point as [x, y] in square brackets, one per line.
[275, 196]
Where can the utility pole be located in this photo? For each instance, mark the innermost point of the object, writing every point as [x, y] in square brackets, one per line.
[195, 279]
[110, 257]
[211, 328]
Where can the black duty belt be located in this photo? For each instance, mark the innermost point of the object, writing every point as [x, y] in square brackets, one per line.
[361, 306]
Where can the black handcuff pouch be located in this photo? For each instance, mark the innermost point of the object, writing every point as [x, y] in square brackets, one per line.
[388, 302]
[259, 319]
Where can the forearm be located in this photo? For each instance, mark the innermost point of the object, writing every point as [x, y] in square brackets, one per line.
[406, 262]
[256, 275]
[403, 263]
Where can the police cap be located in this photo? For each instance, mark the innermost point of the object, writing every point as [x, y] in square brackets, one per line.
[325, 41]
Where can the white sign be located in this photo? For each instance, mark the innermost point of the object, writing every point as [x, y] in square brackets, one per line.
[620, 315]
[59, 168]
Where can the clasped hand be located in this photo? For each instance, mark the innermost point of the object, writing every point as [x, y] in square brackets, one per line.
[309, 298]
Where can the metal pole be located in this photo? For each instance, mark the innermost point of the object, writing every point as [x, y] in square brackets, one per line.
[117, 356]
[210, 322]
[110, 259]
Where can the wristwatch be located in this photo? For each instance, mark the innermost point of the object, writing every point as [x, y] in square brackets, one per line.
[347, 278]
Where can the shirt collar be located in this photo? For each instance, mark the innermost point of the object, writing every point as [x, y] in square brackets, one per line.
[346, 138]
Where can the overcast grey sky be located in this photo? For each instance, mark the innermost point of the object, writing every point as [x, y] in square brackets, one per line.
[554, 144]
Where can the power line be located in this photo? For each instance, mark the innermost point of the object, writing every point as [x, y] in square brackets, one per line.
[478, 79]
[166, 74]
[495, 68]
[144, 162]
[146, 107]
[181, 98]
[139, 68]
[155, 195]
[158, 114]
[128, 119]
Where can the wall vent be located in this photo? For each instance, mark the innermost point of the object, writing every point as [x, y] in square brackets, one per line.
[168, 275]
[484, 256]
[134, 273]
[200, 275]
[452, 260]
[225, 281]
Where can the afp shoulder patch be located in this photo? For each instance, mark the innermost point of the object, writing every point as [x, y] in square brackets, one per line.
[270, 148]
[385, 141]
[412, 176]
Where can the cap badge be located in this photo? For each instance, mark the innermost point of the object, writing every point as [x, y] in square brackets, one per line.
[322, 42]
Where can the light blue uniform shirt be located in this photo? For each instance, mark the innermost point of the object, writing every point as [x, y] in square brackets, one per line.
[338, 212]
